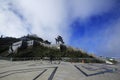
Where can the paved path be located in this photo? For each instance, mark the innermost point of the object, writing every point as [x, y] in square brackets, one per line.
[43, 70]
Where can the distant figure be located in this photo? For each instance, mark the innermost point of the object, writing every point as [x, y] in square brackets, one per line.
[59, 39]
[11, 48]
[1, 36]
[51, 58]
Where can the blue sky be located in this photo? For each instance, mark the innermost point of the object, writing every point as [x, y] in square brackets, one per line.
[92, 25]
[90, 33]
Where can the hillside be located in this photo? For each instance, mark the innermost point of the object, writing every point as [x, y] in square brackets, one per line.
[5, 43]
[41, 50]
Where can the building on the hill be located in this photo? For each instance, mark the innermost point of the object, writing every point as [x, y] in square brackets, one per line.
[14, 47]
[30, 43]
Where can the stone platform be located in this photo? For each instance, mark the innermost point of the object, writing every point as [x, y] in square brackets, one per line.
[44, 70]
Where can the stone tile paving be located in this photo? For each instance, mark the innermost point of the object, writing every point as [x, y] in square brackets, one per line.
[43, 70]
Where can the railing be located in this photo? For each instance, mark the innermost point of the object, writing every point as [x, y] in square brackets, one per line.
[66, 59]
[83, 60]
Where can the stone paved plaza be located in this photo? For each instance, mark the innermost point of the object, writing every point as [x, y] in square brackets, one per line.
[44, 70]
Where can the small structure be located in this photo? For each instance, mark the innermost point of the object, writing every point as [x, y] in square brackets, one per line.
[30, 43]
[1, 36]
[13, 48]
[47, 42]
[59, 40]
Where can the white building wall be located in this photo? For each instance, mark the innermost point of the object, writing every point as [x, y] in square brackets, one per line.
[30, 43]
[15, 47]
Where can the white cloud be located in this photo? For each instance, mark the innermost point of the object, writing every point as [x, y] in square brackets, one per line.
[110, 45]
[86, 8]
[10, 24]
[46, 18]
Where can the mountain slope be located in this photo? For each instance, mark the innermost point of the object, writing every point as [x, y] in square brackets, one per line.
[40, 50]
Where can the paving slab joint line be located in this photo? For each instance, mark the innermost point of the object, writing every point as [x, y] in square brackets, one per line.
[87, 75]
[81, 71]
[14, 73]
[40, 74]
[24, 69]
[52, 74]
